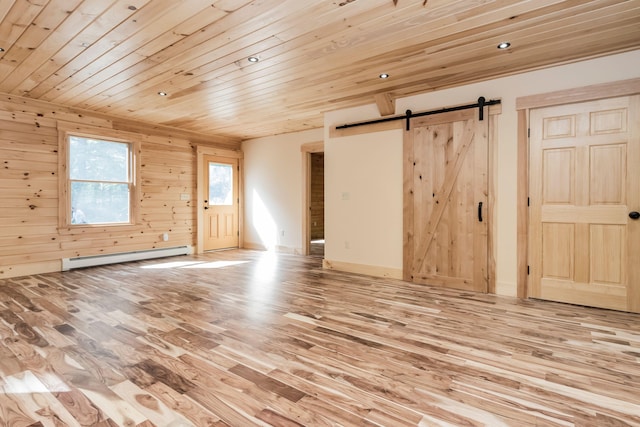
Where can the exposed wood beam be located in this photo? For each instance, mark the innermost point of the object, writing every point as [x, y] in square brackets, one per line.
[386, 103]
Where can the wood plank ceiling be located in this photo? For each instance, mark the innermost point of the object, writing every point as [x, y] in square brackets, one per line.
[115, 56]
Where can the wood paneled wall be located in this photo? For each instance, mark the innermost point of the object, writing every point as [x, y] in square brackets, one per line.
[317, 196]
[30, 241]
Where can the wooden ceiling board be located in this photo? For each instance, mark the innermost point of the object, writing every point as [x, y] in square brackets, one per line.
[198, 63]
[114, 56]
[315, 66]
[93, 43]
[5, 7]
[133, 49]
[66, 44]
[47, 17]
[147, 78]
[456, 59]
[72, 24]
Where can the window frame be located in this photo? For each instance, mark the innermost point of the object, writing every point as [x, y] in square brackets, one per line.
[65, 131]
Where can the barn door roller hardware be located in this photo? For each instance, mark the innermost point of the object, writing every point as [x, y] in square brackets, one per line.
[482, 102]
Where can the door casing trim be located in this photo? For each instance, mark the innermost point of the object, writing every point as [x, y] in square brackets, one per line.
[201, 152]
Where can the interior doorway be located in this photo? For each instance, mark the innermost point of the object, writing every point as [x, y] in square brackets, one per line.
[313, 199]
[316, 205]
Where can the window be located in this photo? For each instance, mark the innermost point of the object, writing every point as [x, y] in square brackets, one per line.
[220, 184]
[100, 181]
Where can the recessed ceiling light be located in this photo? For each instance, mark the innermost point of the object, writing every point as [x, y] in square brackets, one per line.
[162, 93]
[253, 59]
[84, 44]
[384, 76]
[504, 45]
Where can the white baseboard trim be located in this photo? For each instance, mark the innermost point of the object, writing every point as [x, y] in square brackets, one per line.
[279, 249]
[506, 289]
[95, 260]
[253, 246]
[370, 270]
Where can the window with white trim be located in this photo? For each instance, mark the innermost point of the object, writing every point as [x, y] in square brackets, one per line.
[100, 184]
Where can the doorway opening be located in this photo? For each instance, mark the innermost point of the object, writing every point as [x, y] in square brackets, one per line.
[316, 205]
[313, 199]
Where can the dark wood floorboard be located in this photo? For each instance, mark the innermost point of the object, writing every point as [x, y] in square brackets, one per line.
[316, 248]
[243, 338]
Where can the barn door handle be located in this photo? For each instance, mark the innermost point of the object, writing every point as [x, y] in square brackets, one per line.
[634, 215]
[480, 211]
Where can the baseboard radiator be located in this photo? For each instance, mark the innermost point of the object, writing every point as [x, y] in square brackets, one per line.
[91, 261]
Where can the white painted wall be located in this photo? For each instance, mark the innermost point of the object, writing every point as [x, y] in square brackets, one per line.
[273, 190]
[363, 174]
[373, 225]
[363, 199]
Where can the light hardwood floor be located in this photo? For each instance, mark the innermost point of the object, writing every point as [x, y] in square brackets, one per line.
[245, 338]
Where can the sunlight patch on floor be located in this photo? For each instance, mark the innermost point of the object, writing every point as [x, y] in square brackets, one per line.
[193, 264]
[216, 264]
[27, 383]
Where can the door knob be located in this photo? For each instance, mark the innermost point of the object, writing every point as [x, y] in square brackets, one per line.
[634, 215]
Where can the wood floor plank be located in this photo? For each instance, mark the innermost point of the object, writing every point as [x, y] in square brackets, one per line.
[184, 405]
[78, 404]
[145, 403]
[36, 400]
[254, 338]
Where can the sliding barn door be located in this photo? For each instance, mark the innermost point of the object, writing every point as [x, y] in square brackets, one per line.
[445, 215]
[584, 185]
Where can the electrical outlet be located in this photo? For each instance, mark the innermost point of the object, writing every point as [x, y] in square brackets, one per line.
[185, 196]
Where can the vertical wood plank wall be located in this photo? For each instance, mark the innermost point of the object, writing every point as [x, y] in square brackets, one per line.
[29, 238]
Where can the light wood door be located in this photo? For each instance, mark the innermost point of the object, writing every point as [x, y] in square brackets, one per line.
[445, 215]
[220, 203]
[584, 183]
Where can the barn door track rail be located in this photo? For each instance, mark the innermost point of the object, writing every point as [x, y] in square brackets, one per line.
[482, 102]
